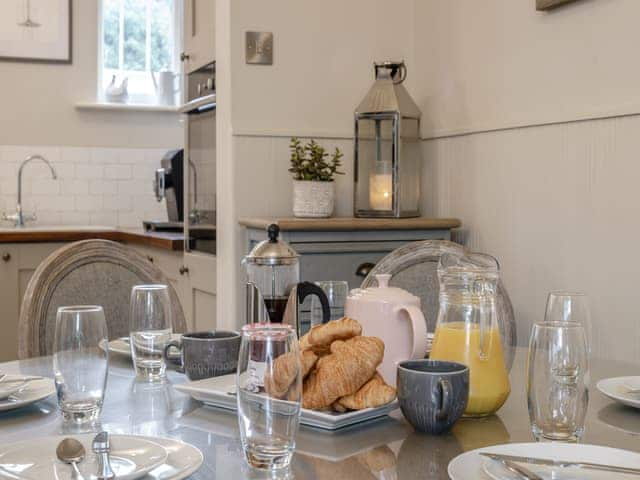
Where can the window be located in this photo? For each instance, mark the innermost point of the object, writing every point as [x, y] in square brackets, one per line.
[138, 38]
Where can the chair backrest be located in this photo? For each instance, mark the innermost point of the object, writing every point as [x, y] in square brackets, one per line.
[90, 272]
[414, 267]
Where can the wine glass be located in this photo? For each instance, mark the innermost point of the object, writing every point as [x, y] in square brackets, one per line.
[570, 307]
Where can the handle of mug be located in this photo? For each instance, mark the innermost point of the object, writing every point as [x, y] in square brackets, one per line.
[178, 363]
[419, 327]
[445, 398]
[307, 288]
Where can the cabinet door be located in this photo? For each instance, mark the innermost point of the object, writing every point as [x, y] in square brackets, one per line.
[201, 290]
[198, 33]
[9, 302]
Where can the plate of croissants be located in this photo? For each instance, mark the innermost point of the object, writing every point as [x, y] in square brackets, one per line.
[341, 385]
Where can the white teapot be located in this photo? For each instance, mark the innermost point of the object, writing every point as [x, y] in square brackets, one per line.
[393, 315]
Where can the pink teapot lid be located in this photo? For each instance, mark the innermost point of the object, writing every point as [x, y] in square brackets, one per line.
[384, 293]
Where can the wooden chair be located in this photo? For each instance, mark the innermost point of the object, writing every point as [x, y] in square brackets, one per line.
[90, 272]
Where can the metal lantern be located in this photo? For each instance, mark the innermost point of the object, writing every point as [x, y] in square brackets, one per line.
[387, 147]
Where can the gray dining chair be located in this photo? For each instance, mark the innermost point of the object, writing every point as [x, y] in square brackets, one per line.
[414, 267]
[89, 272]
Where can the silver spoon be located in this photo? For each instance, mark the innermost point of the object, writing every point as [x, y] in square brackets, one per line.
[71, 451]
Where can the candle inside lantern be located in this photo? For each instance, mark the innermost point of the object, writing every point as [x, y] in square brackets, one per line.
[380, 191]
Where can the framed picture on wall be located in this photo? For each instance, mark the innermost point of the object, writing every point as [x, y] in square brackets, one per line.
[35, 31]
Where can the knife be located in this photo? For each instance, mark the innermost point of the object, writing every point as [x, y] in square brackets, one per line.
[562, 463]
[101, 447]
[519, 470]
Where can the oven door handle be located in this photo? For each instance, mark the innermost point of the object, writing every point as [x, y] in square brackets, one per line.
[199, 105]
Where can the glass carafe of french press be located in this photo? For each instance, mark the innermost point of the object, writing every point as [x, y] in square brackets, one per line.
[274, 290]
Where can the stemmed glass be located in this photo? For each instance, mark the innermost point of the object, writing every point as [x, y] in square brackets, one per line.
[558, 381]
[269, 390]
[150, 326]
[80, 362]
[570, 307]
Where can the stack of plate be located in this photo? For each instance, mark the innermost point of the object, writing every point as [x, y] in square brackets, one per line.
[19, 391]
[132, 457]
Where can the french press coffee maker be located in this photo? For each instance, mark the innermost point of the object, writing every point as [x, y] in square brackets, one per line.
[274, 290]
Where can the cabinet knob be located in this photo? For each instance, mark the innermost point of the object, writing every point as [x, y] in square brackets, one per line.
[6, 256]
[183, 270]
[184, 56]
[364, 269]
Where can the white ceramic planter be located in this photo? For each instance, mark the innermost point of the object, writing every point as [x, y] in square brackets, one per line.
[313, 199]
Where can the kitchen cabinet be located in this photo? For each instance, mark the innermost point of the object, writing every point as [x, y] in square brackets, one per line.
[198, 34]
[200, 295]
[17, 264]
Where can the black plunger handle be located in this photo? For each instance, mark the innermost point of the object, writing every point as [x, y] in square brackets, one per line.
[307, 288]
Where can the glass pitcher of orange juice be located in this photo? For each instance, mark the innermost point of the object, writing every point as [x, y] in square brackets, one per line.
[467, 328]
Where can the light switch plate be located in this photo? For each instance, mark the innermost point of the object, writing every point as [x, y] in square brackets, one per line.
[259, 48]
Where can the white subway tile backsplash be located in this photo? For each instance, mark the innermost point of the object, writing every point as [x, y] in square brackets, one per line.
[96, 186]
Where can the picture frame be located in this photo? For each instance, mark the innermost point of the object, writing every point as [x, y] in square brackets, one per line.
[36, 31]
[542, 5]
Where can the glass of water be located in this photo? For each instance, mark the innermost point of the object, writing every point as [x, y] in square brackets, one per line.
[269, 390]
[558, 381]
[336, 292]
[150, 327]
[80, 362]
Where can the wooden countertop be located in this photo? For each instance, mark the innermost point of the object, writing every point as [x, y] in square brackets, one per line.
[351, 223]
[164, 240]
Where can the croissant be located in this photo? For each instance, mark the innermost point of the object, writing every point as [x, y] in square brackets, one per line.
[350, 364]
[343, 329]
[374, 393]
[279, 378]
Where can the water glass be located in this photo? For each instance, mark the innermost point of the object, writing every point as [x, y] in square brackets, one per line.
[570, 307]
[269, 416]
[336, 292]
[150, 327]
[558, 381]
[80, 362]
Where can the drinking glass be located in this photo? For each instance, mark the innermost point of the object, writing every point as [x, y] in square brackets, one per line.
[150, 330]
[570, 307]
[80, 362]
[558, 381]
[336, 292]
[268, 419]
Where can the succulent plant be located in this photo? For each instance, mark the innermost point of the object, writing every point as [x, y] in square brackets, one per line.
[312, 162]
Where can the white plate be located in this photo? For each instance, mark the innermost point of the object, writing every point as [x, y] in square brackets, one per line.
[183, 460]
[121, 346]
[32, 392]
[472, 466]
[131, 458]
[618, 389]
[219, 392]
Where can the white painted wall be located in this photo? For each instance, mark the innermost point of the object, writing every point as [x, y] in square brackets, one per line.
[499, 63]
[555, 204]
[38, 101]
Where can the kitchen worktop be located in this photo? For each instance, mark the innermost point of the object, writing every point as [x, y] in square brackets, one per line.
[352, 224]
[33, 234]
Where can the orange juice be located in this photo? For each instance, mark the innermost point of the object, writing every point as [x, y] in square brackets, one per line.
[488, 379]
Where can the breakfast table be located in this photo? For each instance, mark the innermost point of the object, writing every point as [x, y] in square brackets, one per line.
[384, 448]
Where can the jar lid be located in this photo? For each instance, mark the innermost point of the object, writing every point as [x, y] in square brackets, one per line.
[272, 251]
[383, 292]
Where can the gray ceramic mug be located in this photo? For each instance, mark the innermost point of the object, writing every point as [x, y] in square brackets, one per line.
[206, 354]
[433, 394]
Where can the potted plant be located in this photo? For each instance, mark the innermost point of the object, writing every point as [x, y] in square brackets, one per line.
[313, 171]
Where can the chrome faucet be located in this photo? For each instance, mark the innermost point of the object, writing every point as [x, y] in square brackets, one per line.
[19, 218]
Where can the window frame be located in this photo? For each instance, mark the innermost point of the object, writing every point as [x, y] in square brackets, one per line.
[139, 99]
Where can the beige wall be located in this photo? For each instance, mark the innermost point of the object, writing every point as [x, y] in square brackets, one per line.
[498, 63]
[556, 203]
[38, 101]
